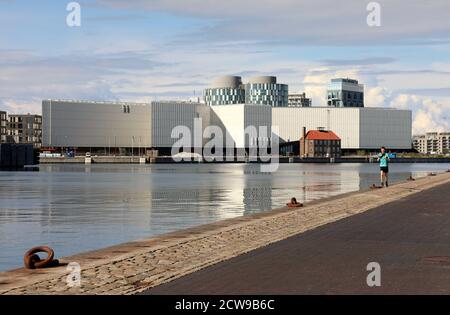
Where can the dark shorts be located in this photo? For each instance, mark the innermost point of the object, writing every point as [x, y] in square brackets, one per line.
[384, 169]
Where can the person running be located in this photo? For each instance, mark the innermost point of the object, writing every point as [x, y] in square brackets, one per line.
[383, 157]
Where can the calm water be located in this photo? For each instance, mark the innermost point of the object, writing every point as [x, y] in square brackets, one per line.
[74, 208]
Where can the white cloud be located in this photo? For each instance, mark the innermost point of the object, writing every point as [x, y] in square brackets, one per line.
[428, 114]
[416, 21]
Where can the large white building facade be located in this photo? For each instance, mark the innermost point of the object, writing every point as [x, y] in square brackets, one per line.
[100, 126]
[103, 125]
[358, 128]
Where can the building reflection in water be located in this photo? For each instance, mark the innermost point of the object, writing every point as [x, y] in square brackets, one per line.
[75, 208]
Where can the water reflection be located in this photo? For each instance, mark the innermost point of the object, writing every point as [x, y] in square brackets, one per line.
[75, 208]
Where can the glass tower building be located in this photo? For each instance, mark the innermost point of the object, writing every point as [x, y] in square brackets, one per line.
[345, 93]
[266, 91]
[262, 90]
[224, 91]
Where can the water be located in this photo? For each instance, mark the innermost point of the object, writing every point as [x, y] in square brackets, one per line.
[74, 208]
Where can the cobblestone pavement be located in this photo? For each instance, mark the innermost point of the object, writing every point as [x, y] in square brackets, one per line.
[137, 266]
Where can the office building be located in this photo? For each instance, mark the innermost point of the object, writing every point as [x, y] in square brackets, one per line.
[432, 143]
[225, 90]
[345, 93]
[265, 90]
[262, 90]
[25, 129]
[299, 100]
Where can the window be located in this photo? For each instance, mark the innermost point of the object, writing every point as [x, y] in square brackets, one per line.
[126, 109]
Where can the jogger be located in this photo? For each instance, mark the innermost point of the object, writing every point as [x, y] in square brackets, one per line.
[383, 157]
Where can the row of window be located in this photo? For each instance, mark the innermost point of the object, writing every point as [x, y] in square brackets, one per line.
[326, 142]
[14, 119]
[326, 149]
[224, 91]
[254, 93]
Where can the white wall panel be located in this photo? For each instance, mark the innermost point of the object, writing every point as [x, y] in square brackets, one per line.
[95, 124]
[365, 128]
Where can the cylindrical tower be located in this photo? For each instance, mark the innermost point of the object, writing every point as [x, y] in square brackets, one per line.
[225, 90]
[264, 90]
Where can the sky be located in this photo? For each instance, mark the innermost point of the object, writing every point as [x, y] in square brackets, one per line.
[136, 50]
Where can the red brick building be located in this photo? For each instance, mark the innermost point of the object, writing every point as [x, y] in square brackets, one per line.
[320, 143]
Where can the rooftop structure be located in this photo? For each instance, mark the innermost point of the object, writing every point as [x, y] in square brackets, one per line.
[345, 93]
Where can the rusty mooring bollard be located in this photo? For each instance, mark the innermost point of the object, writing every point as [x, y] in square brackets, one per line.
[32, 261]
[294, 203]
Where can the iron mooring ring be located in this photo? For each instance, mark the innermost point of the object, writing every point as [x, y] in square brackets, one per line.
[33, 261]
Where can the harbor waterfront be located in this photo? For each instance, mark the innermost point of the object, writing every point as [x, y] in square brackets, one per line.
[76, 208]
[137, 266]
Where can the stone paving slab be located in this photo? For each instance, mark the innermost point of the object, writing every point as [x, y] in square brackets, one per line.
[136, 266]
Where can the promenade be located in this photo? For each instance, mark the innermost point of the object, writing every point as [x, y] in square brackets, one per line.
[409, 238]
[323, 247]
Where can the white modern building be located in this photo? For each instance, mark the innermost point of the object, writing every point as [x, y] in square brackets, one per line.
[358, 128]
[235, 121]
[112, 127]
[116, 126]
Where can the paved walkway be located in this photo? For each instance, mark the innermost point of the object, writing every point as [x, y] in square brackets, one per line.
[409, 238]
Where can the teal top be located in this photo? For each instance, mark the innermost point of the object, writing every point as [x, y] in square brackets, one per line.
[384, 159]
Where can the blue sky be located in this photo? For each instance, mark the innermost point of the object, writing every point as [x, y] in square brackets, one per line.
[140, 50]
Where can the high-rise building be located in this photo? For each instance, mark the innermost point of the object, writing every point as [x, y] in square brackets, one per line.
[3, 126]
[25, 129]
[432, 143]
[225, 90]
[265, 90]
[298, 100]
[345, 93]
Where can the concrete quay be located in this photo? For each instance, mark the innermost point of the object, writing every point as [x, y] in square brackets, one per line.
[138, 266]
[168, 159]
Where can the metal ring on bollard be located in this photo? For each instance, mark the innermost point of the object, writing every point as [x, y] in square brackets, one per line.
[33, 261]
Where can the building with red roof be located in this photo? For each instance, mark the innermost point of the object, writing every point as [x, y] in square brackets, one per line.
[320, 143]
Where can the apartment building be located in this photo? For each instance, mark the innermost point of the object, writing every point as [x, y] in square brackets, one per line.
[25, 128]
[299, 100]
[432, 143]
